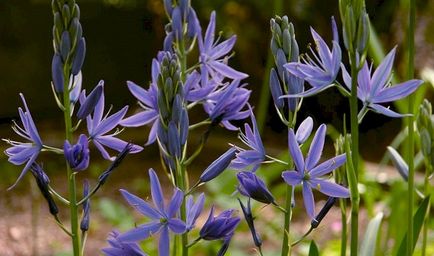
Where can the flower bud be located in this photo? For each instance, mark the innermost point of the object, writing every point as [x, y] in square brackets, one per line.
[177, 23]
[276, 89]
[66, 14]
[77, 155]
[399, 163]
[304, 130]
[65, 45]
[76, 11]
[80, 53]
[174, 143]
[218, 166]
[168, 7]
[57, 73]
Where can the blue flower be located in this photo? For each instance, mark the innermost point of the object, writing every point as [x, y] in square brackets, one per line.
[373, 91]
[256, 154]
[24, 152]
[253, 187]
[98, 125]
[118, 247]
[226, 104]
[221, 226]
[218, 166]
[77, 155]
[308, 173]
[162, 218]
[213, 55]
[319, 71]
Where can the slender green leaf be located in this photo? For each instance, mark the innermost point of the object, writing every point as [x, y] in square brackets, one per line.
[313, 249]
[370, 239]
[417, 226]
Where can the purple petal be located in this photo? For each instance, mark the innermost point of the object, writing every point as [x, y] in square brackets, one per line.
[153, 133]
[164, 243]
[227, 71]
[316, 147]
[110, 122]
[293, 178]
[295, 151]
[209, 34]
[397, 92]
[177, 226]
[102, 150]
[139, 119]
[330, 189]
[139, 93]
[175, 203]
[223, 48]
[386, 111]
[140, 205]
[141, 232]
[117, 144]
[309, 202]
[382, 73]
[157, 193]
[323, 50]
[25, 169]
[328, 166]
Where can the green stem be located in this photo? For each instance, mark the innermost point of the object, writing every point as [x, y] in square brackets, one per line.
[410, 145]
[426, 221]
[354, 155]
[70, 175]
[286, 244]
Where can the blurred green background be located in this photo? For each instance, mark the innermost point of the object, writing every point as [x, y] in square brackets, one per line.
[123, 36]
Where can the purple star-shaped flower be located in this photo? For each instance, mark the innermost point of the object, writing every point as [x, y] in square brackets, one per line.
[308, 173]
[373, 91]
[213, 55]
[319, 71]
[256, 154]
[98, 126]
[163, 219]
[226, 104]
[118, 247]
[24, 152]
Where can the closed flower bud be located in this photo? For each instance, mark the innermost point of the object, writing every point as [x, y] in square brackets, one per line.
[177, 23]
[57, 73]
[66, 14]
[174, 143]
[76, 11]
[363, 33]
[304, 130]
[286, 44]
[193, 27]
[168, 7]
[65, 45]
[218, 166]
[77, 155]
[276, 89]
[58, 24]
[85, 219]
[90, 102]
[425, 141]
[253, 187]
[80, 53]
[326, 208]
[183, 127]
[399, 163]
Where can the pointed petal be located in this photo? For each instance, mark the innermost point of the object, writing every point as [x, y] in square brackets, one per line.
[210, 31]
[382, 73]
[157, 193]
[140, 93]
[227, 71]
[397, 92]
[223, 48]
[330, 189]
[110, 122]
[103, 151]
[139, 119]
[117, 144]
[328, 166]
[293, 178]
[295, 151]
[175, 203]
[164, 243]
[177, 226]
[141, 232]
[308, 199]
[386, 111]
[316, 147]
[140, 205]
[25, 169]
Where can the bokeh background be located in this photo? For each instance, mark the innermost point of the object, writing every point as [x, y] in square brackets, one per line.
[122, 37]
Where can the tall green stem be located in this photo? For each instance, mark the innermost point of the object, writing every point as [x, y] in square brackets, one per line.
[286, 244]
[354, 154]
[410, 161]
[70, 175]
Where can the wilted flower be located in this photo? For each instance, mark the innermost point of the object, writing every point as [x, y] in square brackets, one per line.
[213, 55]
[253, 187]
[248, 216]
[85, 219]
[24, 152]
[218, 166]
[114, 164]
[121, 248]
[319, 71]
[323, 212]
[77, 155]
[42, 181]
[373, 91]
[256, 154]
[219, 227]
[98, 126]
[307, 172]
[162, 218]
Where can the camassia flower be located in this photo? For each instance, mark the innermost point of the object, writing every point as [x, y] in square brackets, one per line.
[319, 71]
[373, 91]
[77, 155]
[221, 226]
[98, 126]
[254, 156]
[254, 187]
[118, 247]
[162, 218]
[213, 55]
[24, 152]
[308, 173]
